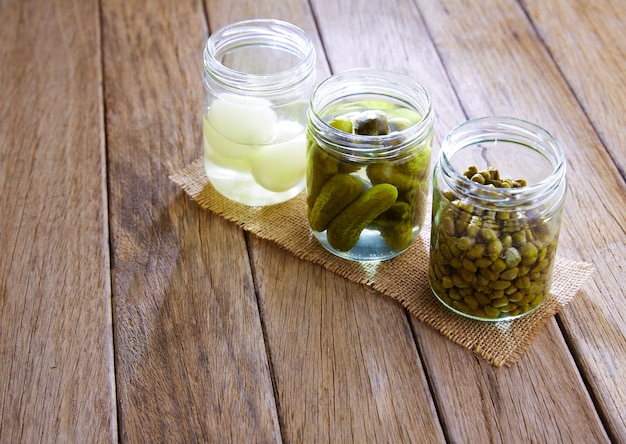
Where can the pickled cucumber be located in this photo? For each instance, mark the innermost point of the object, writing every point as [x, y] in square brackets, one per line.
[404, 176]
[319, 168]
[344, 230]
[396, 225]
[336, 194]
[394, 201]
[370, 123]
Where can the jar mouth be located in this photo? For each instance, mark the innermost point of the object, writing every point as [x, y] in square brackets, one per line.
[505, 139]
[258, 42]
[368, 84]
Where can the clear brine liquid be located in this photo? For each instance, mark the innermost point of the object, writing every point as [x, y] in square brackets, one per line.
[252, 154]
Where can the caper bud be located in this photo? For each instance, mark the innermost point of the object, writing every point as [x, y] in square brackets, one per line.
[495, 174]
[512, 257]
[469, 265]
[494, 247]
[490, 263]
[507, 241]
[478, 178]
[509, 275]
[488, 234]
[498, 266]
[476, 252]
[470, 171]
[491, 312]
[500, 302]
[465, 243]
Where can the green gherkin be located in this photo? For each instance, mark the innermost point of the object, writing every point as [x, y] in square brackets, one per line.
[371, 123]
[396, 225]
[336, 194]
[344, 230]
[406, 175]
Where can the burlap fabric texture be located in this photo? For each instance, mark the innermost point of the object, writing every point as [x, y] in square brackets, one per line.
[403, 278]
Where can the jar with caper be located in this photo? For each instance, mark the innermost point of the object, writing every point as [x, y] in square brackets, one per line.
[368, 163]
[498, 192]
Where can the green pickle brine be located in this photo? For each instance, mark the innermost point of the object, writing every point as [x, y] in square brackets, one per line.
[498, 193]
[368, 163]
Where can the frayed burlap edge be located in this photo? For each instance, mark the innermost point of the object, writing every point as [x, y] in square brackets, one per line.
[403, 278]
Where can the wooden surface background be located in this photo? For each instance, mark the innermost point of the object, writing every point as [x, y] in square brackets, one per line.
[129, 314]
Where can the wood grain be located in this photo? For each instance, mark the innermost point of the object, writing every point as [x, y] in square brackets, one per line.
[129, 314]
[56, 354]
[462, 36]
[586, 39]
[344, 359]
[540, 93]
[344, 362]
[191, 356]
[587, 42]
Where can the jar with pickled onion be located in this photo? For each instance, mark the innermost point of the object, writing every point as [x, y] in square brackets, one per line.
[258, 76]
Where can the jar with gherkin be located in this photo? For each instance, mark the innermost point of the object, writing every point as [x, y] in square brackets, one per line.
[498, 192]
[369, 142]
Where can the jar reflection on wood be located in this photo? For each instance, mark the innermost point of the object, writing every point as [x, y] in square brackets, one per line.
[498, 192]
[258, 78]
[368, 163]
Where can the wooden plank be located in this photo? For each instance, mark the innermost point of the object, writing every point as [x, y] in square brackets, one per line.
[344, 361]
[482, 59]
[488, 75]
[588, 42]
[539, 399]
[56, 339]
[191, 361]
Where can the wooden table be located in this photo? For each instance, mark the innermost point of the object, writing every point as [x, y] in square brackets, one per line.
[128, 313]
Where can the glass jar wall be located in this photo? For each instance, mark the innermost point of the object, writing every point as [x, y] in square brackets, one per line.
[498, 192]
[258, 77]
[368, 163]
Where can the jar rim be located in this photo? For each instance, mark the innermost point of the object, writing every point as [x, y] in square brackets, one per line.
[363, 83]
[510, 130]
[270, 33]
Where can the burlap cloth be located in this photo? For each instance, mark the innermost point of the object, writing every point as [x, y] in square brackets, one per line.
[403, 278]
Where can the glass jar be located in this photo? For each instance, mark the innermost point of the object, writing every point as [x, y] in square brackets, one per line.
[368, 163]
[258, 77]
[498, 193]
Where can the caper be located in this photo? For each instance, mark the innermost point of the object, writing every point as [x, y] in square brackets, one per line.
[500, 285]
[486, 175]
[500, 302]
[487, 263]
[488, 234]
[482, 298]
[494, 247]
[498, 266]
[478, 178]
[470, 171]
[469, 265]
[510, 274]
[471, 302]
[528, 250]
[491, 312]
[512, 257]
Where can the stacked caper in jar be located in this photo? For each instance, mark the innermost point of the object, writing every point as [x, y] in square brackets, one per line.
[490, 264]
